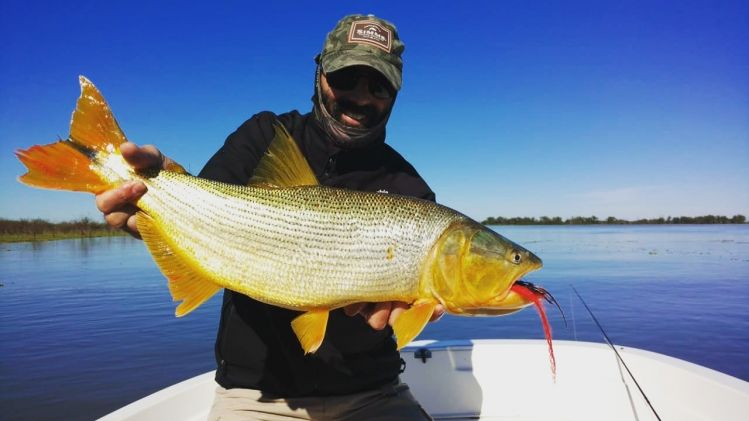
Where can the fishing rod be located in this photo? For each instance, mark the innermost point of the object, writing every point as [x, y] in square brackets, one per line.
[608, 341]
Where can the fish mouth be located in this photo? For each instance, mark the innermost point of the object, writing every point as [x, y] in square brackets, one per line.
[543, 292]
[538, 292]
[514, 300]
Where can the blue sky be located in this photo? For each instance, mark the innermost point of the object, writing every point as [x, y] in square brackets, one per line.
[626, 109]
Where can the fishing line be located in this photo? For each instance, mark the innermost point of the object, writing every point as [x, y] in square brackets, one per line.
[574, 324]
[608, 341]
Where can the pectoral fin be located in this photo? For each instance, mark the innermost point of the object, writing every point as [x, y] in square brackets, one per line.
[412, 321]
[310, 329]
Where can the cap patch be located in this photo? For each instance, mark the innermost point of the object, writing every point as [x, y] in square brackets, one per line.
[371, 32]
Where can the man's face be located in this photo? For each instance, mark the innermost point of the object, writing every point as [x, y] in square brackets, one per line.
[357, 96]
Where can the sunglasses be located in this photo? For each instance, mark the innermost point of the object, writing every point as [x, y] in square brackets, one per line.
[348, 78]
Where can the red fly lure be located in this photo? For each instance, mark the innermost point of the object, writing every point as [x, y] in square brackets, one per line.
[534, 294]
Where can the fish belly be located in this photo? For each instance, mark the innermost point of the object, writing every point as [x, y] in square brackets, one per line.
[299, 248]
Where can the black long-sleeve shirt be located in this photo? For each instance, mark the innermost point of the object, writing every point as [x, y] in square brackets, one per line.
[256, 347]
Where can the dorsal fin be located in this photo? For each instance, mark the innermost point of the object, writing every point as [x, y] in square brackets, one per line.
[93, 125]
[283, 164]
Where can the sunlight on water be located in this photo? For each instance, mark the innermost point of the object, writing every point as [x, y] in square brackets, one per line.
[87, 326]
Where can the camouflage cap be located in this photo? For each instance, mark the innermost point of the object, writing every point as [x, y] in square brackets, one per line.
[364, 40]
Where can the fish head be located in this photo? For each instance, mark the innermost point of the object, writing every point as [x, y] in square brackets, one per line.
[473, 271]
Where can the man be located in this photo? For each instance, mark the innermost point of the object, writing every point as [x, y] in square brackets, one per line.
[261, 367]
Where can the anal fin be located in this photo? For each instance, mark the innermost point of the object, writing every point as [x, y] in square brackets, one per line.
[310, 329]
[187, 283]
[411, 322]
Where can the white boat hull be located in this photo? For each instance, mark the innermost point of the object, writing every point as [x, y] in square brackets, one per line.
[512, 380]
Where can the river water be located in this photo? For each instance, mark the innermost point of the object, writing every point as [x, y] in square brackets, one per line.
[88, 325]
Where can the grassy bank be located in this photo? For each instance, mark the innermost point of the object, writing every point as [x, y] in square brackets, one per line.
[40, 230]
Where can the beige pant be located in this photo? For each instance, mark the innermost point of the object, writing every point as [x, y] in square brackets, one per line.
[390, 402]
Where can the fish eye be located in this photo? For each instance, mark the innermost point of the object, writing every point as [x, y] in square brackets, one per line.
[516, 258]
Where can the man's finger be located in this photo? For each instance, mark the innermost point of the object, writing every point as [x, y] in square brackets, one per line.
[439, 311]
[124, 220]
[131, 227]
[379, 316]
[143, 157]
[117, 219]
[398, 309]
[113, 200]
[353, 309]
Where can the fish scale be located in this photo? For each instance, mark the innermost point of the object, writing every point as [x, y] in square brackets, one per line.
[326, 252]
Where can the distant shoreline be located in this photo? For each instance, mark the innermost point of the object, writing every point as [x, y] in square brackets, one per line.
[51, 236]
[26, 230]
[31, 230]
[592, 220]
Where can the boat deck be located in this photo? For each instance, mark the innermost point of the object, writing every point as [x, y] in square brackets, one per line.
[512, 380]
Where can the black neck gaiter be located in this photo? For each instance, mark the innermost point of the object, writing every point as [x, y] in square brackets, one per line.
[343, 136]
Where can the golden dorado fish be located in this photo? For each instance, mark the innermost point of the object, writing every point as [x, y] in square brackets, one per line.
[287, 241]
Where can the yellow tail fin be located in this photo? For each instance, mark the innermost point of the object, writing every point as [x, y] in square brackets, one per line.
[59, 166]
[66, 165]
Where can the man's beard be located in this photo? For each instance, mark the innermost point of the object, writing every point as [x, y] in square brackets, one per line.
[365, 114]
[328, 115]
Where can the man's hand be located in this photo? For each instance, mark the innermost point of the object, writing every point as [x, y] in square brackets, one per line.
[379, 315]
[117, 204]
